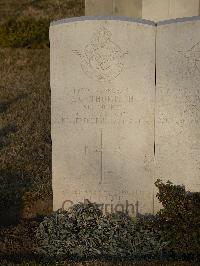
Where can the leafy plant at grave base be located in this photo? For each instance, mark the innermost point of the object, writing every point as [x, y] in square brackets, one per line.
[61, 235]
[179, 220]
[174, 231]
[122, 237]
[25, 33]
[84, 232]
[57, 235]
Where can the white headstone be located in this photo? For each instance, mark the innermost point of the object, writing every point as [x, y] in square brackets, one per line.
[103, 95]
[128, 8]
[157, 10]
[178, 103]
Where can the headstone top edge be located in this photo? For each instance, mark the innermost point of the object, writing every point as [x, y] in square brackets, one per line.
[115, 18]
[177, 20]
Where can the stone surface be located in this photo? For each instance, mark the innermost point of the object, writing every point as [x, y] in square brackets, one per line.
[157, 10]
[178, 103]
[154, 10]
[98, 7]
[128, 8]
[103, 88]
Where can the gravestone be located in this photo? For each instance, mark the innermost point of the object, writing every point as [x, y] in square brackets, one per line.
[178, 102]
[157, 10]
[154, 10]
[103, 97]
[128, 8]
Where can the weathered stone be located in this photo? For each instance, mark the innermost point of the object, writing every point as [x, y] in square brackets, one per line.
[98, 7]
[157, 10]
[128, 8]
[103, 88]
[178, 103]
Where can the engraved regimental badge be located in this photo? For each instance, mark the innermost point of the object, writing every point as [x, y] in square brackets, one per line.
[102, 59]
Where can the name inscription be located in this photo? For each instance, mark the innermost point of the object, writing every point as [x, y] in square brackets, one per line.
[99, 107]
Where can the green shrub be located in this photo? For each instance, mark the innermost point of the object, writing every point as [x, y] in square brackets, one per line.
[25, 33]
[122, 237]
[84, 232]
[179, 220]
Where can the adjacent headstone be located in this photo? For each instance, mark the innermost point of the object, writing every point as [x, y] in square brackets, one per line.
[103, 95]
[128, 8]
[157, 10]
[178, 103]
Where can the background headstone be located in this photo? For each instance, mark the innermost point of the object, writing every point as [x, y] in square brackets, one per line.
[98, 7]
[157, 10]
[154, 10]
[103, 94]
[178, 103]
[128, 8]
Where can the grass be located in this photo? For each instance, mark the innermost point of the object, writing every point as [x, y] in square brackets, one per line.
[48, 9]
[25, 146]
[25, 139]
[25, 24]
[25, 33]
[99, 263]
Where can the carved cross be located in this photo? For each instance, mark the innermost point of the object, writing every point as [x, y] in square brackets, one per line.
[101, 156]
[101, 150]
